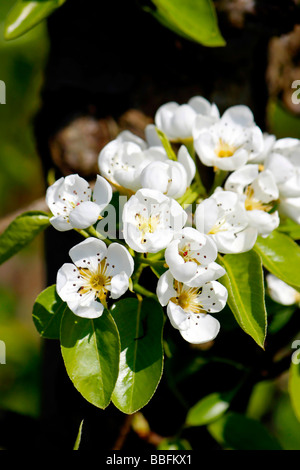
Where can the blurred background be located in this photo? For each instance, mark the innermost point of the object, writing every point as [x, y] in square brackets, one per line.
[257, 67]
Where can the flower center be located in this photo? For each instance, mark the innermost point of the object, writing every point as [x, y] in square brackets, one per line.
[187, 298]
[187, 254]
[218, 227]
[147, 224]
[224, 150]
[251, 203]
[96, 282]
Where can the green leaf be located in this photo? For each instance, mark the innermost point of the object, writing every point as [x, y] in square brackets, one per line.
[174, 444]
[291, 228]
[21, 232]
[166, 144]
[238, 432]
[140, 326]
[246, 295]
[208, 409]
[91, 349]
[281, 256]
[78, 438]
[294, 383]
[26, 14]
[47, 313]
[195, 19]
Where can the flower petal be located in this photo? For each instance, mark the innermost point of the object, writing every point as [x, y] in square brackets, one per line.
[206, 329]
[84, 215]
[102, 192]
[87, 253]
[165, 288]
[119, 285]
[119, 256]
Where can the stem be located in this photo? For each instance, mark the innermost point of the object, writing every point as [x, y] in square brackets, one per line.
[220, 176]
[143, 291]
[82, 232]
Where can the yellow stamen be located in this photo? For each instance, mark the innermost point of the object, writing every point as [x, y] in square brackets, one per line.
[147, 224]
[187, 298]
[252, 204]
[225, 150]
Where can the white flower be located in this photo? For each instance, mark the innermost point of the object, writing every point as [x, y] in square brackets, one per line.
[170, 177]
[122, 160]
[290, 207]
[97, 272]
[268, 144]
[190, 257]
[223, 217]
[231, 141]
[281, 292]
[177, 121]
[150, 219]
[260, 193]
[284, 163]
[188, 308]
[69, 200]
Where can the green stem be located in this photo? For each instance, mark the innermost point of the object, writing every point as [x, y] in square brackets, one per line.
[220, 176]
[82, 232]
[143, 291]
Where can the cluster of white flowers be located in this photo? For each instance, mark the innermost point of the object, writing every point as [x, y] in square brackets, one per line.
[261, 182]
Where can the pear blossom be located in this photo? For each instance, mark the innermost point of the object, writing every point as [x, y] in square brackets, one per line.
[281, 292]
[284, 163]
[189, 308]
[123, 159]
[224, 218]
[170, 177]
[177, 121]
[150, 219]
[229, 143]
[268, 144]
[97, 272]
[74, 205]
[191, 258]
[290, 207]
[260, 194]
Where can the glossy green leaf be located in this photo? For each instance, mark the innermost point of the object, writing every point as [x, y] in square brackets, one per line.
[174, 444]
[166, 144]
[47, 313]
[78, 438]
[281, 256]
[91, 350]
[290, 228]
[208, 409]
[21, 232]
[26, 14]
[194, 18]
[235, 431]
[294, 383]
[140, 326]
[246, 295]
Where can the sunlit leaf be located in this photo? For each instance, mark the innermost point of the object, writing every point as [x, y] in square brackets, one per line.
[281, 256]
[26, 14]
[246, 296]
[47, 313]
[21, 232]
[196, 19]
[208, 409]
[91, 349]
[141, 362]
